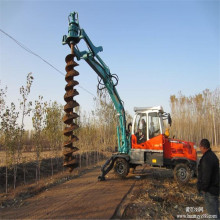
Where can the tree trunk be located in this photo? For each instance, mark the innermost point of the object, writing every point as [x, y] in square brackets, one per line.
[6, 179]
[51, 163]
[15, 174]
[57, 163]
[36, 173]
[24, 175]
[86, 158]
[38, 170]
[213, 115]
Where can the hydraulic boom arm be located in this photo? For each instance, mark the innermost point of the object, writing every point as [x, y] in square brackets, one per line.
[75, 34]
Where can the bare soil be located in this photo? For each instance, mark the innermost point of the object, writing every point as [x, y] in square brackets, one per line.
[158, 196]
[148, 193]
[81, 197]
[145, 194]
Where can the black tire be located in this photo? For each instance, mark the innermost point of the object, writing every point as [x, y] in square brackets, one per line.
[121, 167]
[182, 173]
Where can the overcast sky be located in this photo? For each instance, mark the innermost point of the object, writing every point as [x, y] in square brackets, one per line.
[157, 48]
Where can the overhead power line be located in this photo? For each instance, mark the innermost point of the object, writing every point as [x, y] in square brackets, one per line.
[38, 56]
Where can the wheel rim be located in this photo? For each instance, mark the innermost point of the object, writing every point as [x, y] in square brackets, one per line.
[120, 168]
[182, 174]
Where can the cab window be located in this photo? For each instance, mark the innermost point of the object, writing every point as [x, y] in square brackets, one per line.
[153, 125]
[140, 128]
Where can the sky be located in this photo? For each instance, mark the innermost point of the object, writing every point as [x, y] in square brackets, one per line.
[156, 47]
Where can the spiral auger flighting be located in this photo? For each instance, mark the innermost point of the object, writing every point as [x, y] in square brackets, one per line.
[70, 116]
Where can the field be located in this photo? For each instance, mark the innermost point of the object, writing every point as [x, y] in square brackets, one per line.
[28, 156]
[49, 166]
[145, 194]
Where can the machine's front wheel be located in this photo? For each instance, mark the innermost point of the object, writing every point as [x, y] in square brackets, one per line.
[182, 173]
[121, 167]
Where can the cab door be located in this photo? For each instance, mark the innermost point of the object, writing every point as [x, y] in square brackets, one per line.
[139, 129]
[154, 125]
[147, 141]
[146, 130]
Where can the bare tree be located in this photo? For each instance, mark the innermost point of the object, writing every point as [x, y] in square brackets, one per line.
[25, 107]
[10, 129]
[2, 110]
[196, 117]
[53, 128]
[38, 120]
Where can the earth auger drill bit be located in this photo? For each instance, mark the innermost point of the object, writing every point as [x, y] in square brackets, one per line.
[70, 116]
[75, 34]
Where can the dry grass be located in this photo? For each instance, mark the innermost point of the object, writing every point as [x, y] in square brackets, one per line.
[158, 196]
[29, 156]
[216, 148]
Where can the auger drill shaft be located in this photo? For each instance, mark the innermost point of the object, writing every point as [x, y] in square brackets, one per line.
[70, 117]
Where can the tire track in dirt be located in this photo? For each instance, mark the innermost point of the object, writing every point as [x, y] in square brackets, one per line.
[121, 207]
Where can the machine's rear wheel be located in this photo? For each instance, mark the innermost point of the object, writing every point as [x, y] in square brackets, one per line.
[182, 173]
[121, 167]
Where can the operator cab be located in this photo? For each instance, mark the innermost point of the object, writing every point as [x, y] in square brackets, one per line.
[148, 123]
[147, 136]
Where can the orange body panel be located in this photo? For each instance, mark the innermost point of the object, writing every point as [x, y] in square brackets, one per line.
[172, 148]
[179, 149]
[155, 143]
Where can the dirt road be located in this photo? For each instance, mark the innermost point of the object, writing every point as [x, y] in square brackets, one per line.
[149, 193]
[83, 197]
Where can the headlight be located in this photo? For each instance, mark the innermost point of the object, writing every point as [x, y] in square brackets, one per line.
[194, 146]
